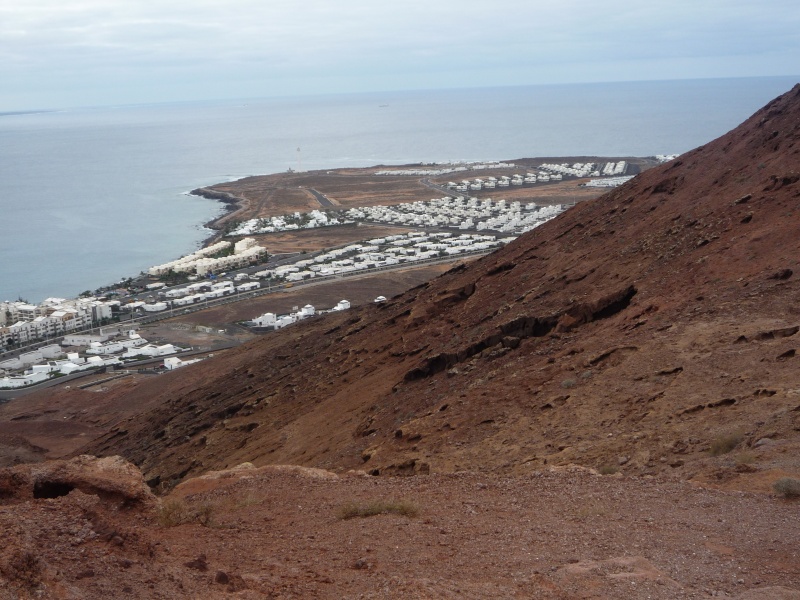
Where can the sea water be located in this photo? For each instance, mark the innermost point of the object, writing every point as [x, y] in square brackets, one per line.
[90, 196]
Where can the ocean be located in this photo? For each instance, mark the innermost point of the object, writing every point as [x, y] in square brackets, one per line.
[89, 196]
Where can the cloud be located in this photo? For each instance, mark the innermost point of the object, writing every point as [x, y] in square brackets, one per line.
[253, 44]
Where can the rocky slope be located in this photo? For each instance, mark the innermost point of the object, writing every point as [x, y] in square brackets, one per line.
[88, 528]
[637, 332]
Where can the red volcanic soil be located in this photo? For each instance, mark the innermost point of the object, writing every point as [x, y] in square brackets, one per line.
[290, 532]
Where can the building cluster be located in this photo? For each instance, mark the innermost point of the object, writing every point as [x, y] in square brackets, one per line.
[590, 169]
[504, 181]
[608, 182]
[382, 252]
[462, 213]
[457, 212]
[272, 321]
[309, 220]
[446, 170]
[218, 257]
[434, 213]
[49, 362]
[89, 352]
[21, 322]
[194, 293]
[614, 169]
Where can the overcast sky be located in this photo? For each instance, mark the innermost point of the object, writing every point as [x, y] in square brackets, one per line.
[61, 53]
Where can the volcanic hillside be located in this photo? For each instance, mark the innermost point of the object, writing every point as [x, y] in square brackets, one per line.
[637, 332]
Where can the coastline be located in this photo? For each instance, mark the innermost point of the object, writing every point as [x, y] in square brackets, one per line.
[232, 204]
[172, 149]
[236, 204]
[291, 191]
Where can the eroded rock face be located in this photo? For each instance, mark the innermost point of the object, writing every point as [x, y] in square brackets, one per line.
[112, 479]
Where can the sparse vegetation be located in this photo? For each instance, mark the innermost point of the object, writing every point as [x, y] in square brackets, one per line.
[568, 383]
[173, 512]
[352, 510]
[787, 487]
[608, 469]
[725, 443]
[745, 458]
[592, 510]
[249, 499]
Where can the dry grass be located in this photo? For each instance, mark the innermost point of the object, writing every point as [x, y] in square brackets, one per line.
[787, 487]
[608, 469]
[590, 511]
[249, 499]
[352, 510]
[173, 512]
[725, 443]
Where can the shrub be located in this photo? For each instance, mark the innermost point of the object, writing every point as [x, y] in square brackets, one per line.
[725, 443]
[607, 469]
[352, 510]
[590, 511]
[568, 383]
[787, 487]
[173, 512]
[203, 513]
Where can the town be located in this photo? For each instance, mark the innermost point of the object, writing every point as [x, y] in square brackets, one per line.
[443, 228]
[84, 353]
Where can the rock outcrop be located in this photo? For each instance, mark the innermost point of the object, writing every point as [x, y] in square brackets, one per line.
[113, 479]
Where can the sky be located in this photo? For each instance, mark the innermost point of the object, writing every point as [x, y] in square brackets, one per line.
[66, 53]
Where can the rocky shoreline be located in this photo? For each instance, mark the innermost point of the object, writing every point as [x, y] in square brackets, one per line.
[286, 192]
[232, 203]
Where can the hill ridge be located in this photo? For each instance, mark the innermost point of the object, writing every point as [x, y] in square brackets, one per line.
[631, 332]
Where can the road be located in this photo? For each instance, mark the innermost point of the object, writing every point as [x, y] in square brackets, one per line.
[282, 287]
[136, 320]
[322, 199]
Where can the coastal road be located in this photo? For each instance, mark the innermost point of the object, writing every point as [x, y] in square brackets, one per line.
[285, 287]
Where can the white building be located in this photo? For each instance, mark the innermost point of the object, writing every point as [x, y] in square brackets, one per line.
[23, 380]
[173, 362]
[245, 252]
[342, 305]
[84, 339]
[150, 350]
[265, 320]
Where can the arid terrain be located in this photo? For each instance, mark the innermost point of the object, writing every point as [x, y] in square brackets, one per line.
[282, 193]
[291, 532]
[58, 421]
[598, 410]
